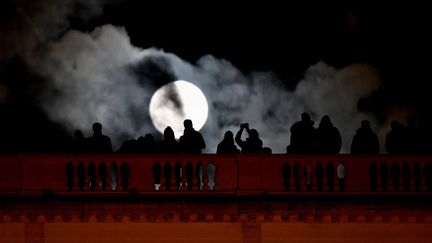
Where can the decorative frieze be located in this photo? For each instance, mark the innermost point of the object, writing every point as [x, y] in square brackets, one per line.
[188, 212]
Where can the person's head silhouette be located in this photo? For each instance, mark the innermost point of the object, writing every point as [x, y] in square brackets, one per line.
[187, 123]
[365, 124]
[325, 121]
[78, 134]
[229, 137]
[97, 128]
[394, 125]
[169, 133]
[266, 150]
[411, 120]
[253, 134]
[149, 138]
[305, 117]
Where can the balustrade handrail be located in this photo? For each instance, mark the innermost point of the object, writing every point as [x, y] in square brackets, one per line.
[241, 174]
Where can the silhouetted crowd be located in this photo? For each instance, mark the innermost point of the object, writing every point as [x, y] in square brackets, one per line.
[304, 139]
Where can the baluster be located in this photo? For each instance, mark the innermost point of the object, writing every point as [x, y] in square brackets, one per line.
[124, 170]
[330, 172]
[308, 175]
[406, 172]
[70, 175]
[163, 180]
[205, 176]
[373, 176]
[114, 173]
[395, 173]
[324, 180]
[286, 175]
[173, 181]
[211, 174]
[178, 172]
[92, 175]
[319, 174]
[184, 178]
[200, 175]
[384, 176]
[341, 176]
[81, 175]
[167, 174]
[189, 176]
[296, 174]
[428, 175]
[157, 170]
[103, 170]
[417, 176]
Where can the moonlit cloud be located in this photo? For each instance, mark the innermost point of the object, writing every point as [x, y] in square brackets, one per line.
[94, 77]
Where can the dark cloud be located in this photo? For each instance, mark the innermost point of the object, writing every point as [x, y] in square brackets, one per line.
[156, 69]
[54, 56]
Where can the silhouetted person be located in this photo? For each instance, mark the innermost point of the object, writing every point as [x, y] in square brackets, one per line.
[252, 144]
[169, 145]
[266, 150]
[227, 146]
[146, 144]
[396, 139]
[365, 141]
[329, 140]
[192, 141]
[129, 146]
[414, 143]
[303, 136]
[425, 141]
[80, 142]
[99, 143]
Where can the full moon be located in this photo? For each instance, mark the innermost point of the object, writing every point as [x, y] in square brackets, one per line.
[171, 104]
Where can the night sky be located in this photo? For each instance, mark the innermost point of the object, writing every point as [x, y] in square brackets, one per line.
[290, 46]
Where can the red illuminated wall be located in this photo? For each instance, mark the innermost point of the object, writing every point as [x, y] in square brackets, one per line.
[249, 203]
